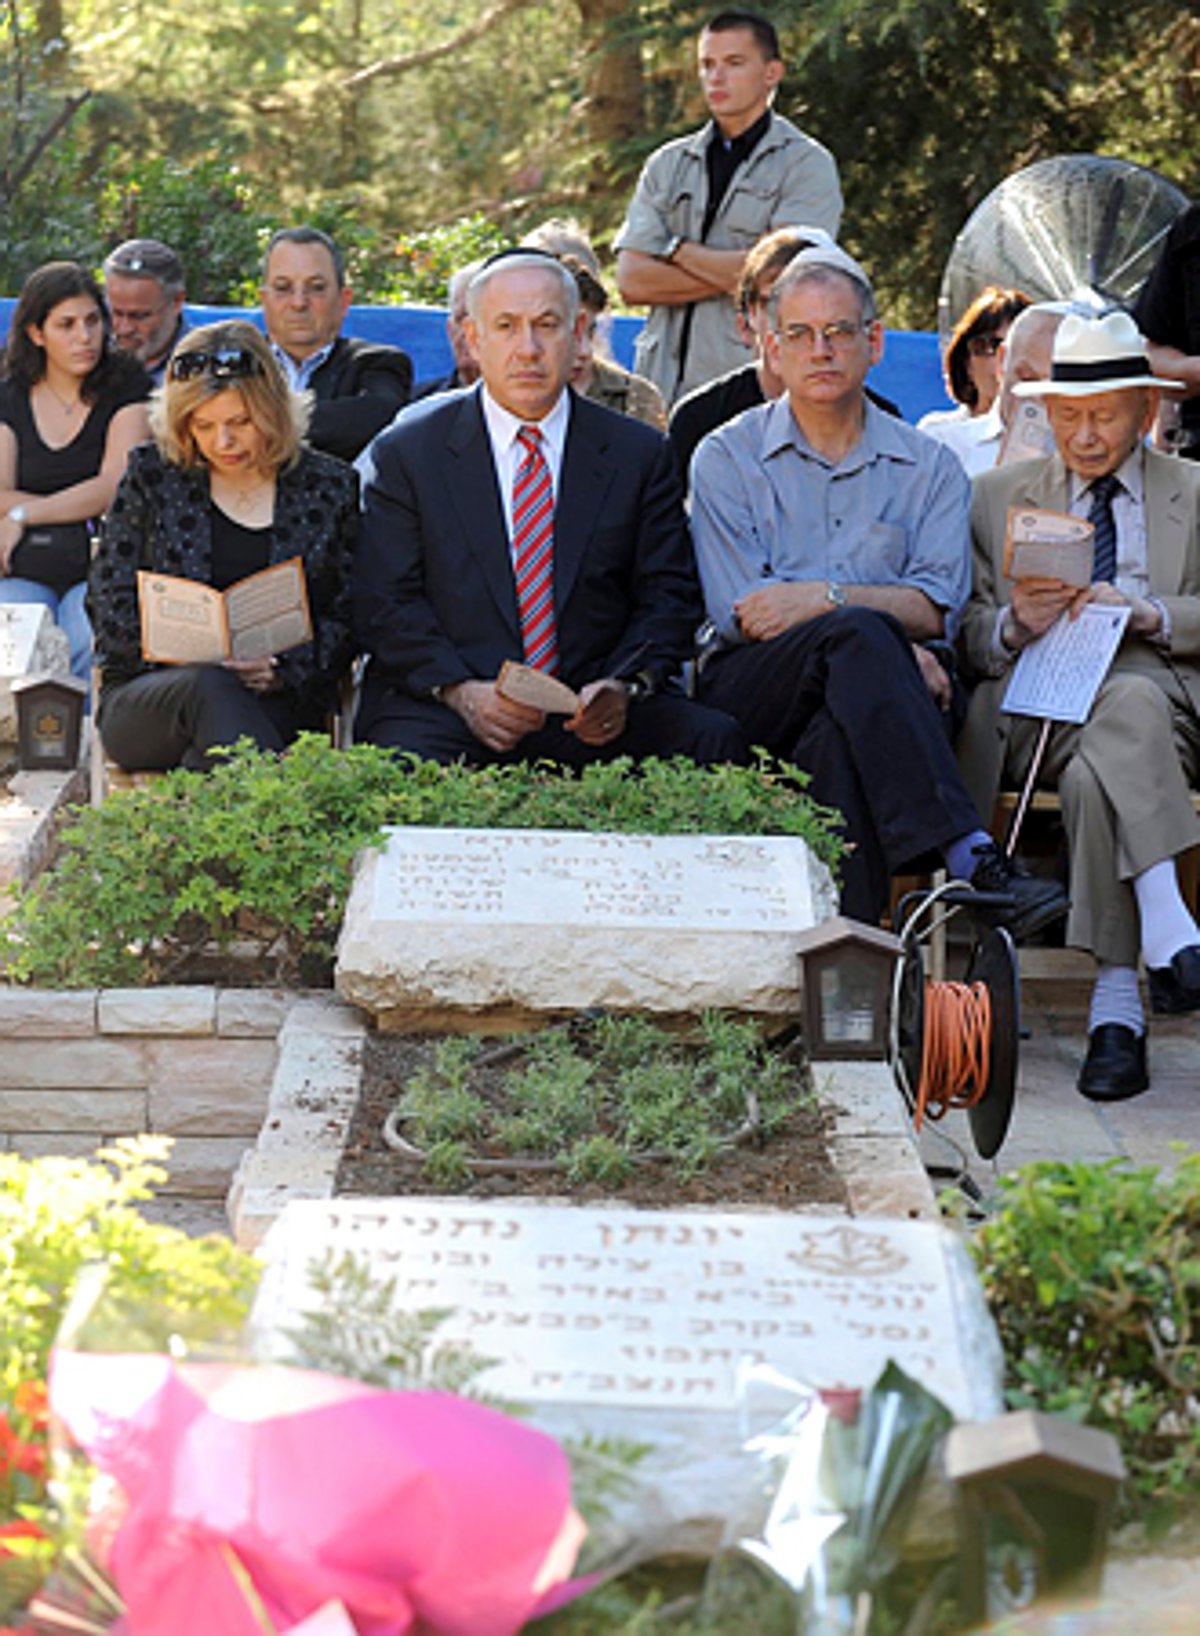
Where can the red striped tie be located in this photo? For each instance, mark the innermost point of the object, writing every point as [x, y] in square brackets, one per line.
[533, 552]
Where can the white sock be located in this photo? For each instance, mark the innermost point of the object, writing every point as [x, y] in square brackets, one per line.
[1115, 999]
[1167, 926]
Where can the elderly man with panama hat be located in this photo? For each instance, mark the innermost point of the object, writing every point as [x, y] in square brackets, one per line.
[1122, 775]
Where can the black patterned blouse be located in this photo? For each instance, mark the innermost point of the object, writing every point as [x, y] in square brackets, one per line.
[160, 520]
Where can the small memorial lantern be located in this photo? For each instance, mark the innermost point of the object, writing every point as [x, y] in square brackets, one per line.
[846, 972]
[49, 718]
[1035, 1495]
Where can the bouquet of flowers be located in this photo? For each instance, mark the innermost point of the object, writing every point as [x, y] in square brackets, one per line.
[257, 1500]
[841, 1473]
[24, 1544]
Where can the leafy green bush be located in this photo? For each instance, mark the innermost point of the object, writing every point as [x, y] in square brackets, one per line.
[202, 207]
[59, 1215]
[417, 266]
[261, 850]
[1093, 1277]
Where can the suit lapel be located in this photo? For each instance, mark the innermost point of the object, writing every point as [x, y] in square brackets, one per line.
[1048, 484]
[586, 477]
[474, 492]
[1167, 524]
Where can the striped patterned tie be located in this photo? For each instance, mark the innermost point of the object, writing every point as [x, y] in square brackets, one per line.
[1104, 524]
[533, 552]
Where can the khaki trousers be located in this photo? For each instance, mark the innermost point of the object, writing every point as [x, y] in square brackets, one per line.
[1122, 777]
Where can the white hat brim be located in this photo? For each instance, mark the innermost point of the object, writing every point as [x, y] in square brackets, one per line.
[1089, 389]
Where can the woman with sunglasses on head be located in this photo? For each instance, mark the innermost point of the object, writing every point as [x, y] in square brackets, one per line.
[226, 489]
[71, 409]
[972, 367]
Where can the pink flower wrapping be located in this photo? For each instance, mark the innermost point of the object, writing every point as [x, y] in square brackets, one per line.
[410, 1508]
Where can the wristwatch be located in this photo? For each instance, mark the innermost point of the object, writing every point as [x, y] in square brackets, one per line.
[673, 248]
[835, 594]
[18, 515]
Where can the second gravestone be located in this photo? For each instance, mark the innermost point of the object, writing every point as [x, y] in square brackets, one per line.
[447, 925]
[634, 1324]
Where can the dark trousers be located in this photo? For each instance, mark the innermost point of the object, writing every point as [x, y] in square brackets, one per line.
[175, 716]
[841, 696]
[666, 724]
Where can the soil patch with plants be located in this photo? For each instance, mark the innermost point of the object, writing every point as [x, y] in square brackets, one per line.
[602, 1107]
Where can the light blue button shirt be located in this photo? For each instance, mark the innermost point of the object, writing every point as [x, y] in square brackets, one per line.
[767, 508]
[300, 374]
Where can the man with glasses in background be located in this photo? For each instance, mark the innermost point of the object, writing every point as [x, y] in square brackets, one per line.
[829, 538]
[357, 385]
[144, 290]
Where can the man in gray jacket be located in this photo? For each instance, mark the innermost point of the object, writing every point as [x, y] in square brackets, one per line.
[703, 200]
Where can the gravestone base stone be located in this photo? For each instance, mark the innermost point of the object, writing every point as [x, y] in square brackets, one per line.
[634, 1323]
[448, 928]
[30, 641]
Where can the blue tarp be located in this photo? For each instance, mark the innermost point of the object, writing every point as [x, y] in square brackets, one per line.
[909, 372]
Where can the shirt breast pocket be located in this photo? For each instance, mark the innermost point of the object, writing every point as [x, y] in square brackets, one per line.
[745, 213]
[885, 549]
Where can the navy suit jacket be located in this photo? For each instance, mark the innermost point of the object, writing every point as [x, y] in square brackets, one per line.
[434, 597]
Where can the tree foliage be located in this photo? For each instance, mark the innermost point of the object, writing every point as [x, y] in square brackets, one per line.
[205, 126]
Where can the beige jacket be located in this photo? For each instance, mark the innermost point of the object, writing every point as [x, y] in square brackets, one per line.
[1172, 498]
[789, 180]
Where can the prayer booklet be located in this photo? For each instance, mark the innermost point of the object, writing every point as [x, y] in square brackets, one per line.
[1027, 435]
[1048, 545]
[536, 688]
[187, 623]
[1058, 676]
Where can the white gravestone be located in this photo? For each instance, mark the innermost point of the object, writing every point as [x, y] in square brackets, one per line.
[634, 1323]
[505, 923]
[30, 641]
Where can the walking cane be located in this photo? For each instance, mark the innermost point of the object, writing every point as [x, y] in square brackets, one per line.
[1035, 766]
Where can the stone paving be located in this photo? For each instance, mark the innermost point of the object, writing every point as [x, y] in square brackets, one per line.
[1050, 1118]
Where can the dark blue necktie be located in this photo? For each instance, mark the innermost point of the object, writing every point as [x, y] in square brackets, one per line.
[1104, 539]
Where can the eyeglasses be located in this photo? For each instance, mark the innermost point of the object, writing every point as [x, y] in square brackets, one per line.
[984, 346]
[222, 363]
[838, 334]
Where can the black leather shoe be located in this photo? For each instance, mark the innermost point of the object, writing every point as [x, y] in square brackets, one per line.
[1115, 1065]
[1176, 987]
[1035, 901]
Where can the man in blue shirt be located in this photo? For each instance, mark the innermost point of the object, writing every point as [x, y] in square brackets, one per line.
[830, 537]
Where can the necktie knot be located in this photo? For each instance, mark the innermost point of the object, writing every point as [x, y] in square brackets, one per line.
[1105, 489]
[530, 439]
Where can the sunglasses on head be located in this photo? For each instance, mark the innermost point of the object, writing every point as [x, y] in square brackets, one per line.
[222, 363]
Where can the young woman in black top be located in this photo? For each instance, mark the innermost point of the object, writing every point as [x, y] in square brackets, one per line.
[70, 411]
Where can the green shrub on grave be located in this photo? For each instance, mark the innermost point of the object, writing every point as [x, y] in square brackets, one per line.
[260, 851]
[596, 1097]
[1092, 1273]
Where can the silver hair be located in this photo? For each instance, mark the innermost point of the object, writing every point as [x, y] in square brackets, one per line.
[540, 262]
[817, 272]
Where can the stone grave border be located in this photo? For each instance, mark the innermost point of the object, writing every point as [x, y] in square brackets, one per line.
[29, 820]
[261, 1084]
[300, 1148]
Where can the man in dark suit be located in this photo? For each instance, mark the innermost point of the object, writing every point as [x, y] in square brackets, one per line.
[358, 385]
[518, 521]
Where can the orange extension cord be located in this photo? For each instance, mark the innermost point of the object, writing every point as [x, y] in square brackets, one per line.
[956, 1050]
